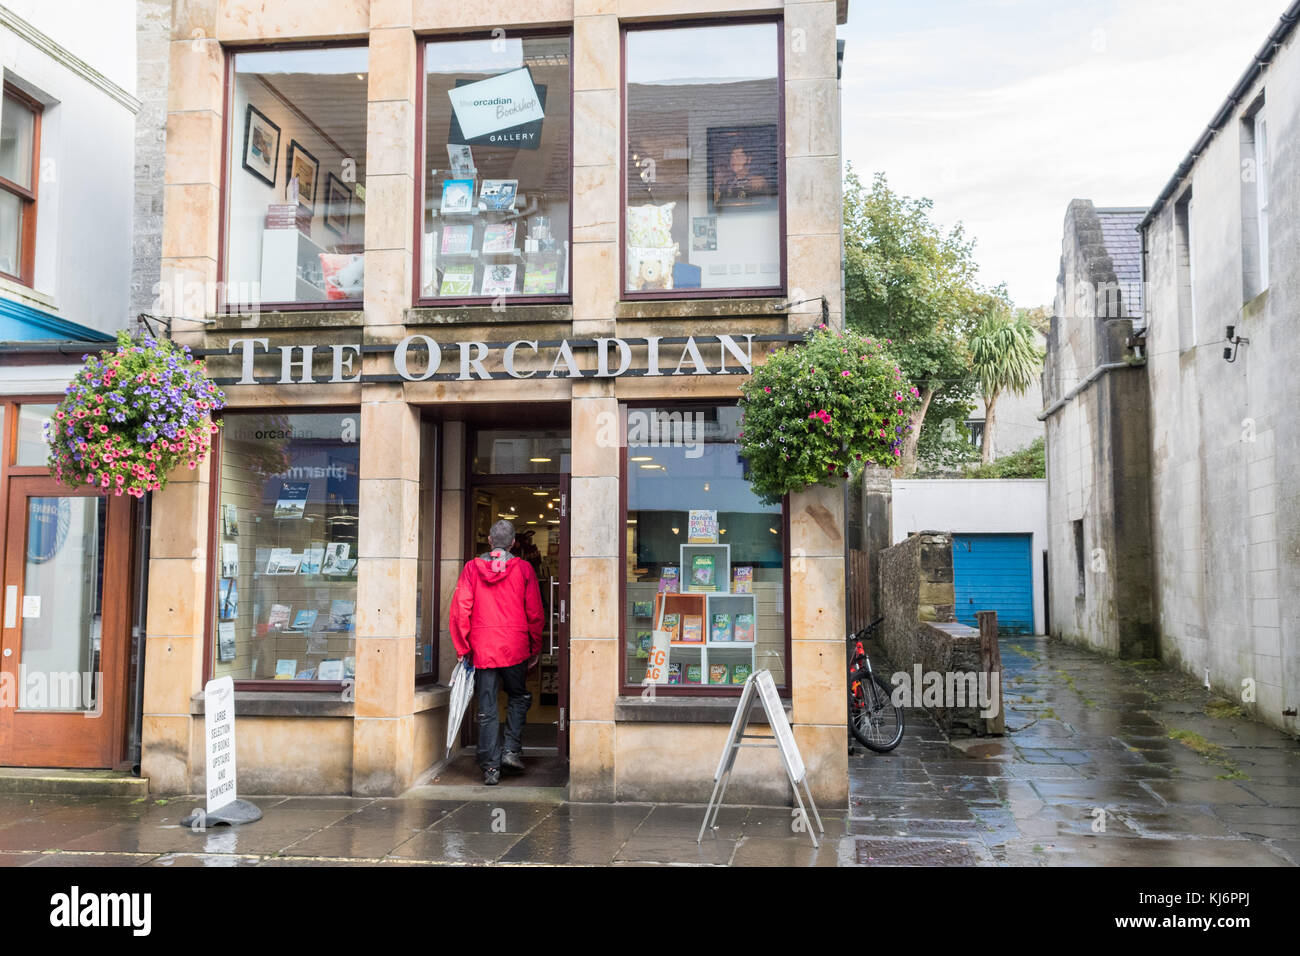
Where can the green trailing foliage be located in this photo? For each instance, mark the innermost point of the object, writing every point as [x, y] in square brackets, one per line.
[1028, 462]
[820, 411]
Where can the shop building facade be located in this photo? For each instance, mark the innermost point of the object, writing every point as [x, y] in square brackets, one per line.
[449, 267]
[69, 642]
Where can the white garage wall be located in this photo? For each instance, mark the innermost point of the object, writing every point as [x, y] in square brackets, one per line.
[976, 506]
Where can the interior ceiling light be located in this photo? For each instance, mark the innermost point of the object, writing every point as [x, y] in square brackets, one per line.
[642, 458]
[539, 459]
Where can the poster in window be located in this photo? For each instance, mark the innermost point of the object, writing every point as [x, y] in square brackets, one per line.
[226, 641]
[292, 501]
[304, 166]
[516, 124]
[742, 167]
[227, 599]
[261, 145]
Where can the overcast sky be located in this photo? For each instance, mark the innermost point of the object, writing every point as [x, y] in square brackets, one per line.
[1002, 111]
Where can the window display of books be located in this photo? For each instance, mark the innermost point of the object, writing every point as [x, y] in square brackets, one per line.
[290, 548]
[711, 628]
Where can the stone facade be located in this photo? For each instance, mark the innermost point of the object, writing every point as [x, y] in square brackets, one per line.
[1173, 503]
[1225, 497]
[1097, 453]
[921, 635]
[384, 739]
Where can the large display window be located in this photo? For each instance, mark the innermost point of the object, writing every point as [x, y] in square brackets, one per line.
[703, 190]
[705, 595]
[295, 177]
[286, 547]
[496, 170]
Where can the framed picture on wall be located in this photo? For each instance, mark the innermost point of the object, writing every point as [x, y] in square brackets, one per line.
[303, 165]
[743, 167]
[261, 145]
[338, 204]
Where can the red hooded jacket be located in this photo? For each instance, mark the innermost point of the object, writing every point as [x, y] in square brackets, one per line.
[496, 611]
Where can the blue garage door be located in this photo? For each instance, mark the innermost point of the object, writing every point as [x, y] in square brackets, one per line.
[993, 572]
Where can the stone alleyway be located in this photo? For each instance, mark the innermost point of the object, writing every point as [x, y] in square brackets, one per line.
[1106, 763]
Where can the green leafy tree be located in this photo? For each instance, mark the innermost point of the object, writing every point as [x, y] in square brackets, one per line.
[913, 285]
[1004, 356]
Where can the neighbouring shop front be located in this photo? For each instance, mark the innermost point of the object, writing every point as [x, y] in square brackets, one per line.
[71, 573]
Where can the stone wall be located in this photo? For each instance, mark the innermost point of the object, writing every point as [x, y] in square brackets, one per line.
[1225, 498]
[1098, 457]
[920, 634]
[153, 50]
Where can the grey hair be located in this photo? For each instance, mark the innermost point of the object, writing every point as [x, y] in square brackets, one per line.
[502, 534]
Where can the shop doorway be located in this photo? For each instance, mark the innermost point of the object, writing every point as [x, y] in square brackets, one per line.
[67, 581]
[537, 505]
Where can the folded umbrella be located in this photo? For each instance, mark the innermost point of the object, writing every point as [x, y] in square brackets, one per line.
[462, 689]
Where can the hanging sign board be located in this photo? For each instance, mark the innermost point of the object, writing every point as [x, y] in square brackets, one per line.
[219, 733]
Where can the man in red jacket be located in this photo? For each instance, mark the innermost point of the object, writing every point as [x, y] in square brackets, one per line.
[496, 615]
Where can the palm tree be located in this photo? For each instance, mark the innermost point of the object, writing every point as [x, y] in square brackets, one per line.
[1004, 357]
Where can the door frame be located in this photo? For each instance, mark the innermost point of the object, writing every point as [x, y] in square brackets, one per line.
[559, 481]
[25, 737]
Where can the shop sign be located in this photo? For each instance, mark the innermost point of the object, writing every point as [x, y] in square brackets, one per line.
[418, 358]
[503, 110]
[219, 731]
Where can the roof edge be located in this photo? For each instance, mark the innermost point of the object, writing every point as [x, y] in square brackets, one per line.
[1285, 25]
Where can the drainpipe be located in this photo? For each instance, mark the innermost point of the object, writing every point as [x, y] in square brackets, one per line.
[1095, 374]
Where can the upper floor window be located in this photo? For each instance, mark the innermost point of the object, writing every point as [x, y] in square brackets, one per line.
[496, 171]
[20, 143]
[295, 192]
[703, 190]
[1261, 193]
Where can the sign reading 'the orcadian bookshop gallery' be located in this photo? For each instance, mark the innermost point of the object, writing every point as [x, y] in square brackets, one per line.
[418, 358]
[486, 109]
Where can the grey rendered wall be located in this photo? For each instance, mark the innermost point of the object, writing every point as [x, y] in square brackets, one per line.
[1226, 437]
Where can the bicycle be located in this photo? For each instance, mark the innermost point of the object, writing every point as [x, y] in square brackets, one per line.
[873, 718]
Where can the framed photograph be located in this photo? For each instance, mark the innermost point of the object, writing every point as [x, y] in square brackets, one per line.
[743, 167]
[303, 165]
[261, 145]
[338, 205]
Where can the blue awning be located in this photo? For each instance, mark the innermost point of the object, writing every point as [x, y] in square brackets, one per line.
[22, 323]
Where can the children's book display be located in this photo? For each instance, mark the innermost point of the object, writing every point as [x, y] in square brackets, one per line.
[708, 609]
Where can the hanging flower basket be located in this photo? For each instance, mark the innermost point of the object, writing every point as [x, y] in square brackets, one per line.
[132, 415]
[820, 411]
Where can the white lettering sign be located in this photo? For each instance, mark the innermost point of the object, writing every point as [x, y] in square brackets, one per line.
[219, 734]
[499, 102]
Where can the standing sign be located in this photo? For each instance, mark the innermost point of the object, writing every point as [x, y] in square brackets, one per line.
[785, 743]
[219, 732]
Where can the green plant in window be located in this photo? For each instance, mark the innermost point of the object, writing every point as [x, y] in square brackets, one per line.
[132, 415]
[819, 411]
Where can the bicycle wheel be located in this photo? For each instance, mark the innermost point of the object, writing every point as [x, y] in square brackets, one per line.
[874, 720]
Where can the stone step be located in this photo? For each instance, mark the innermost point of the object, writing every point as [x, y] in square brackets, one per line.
[98, 783]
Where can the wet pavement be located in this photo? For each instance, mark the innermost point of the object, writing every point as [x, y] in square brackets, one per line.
[1106, 764]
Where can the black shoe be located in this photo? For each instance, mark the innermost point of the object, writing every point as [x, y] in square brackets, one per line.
[513, 760]
[491, 776]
